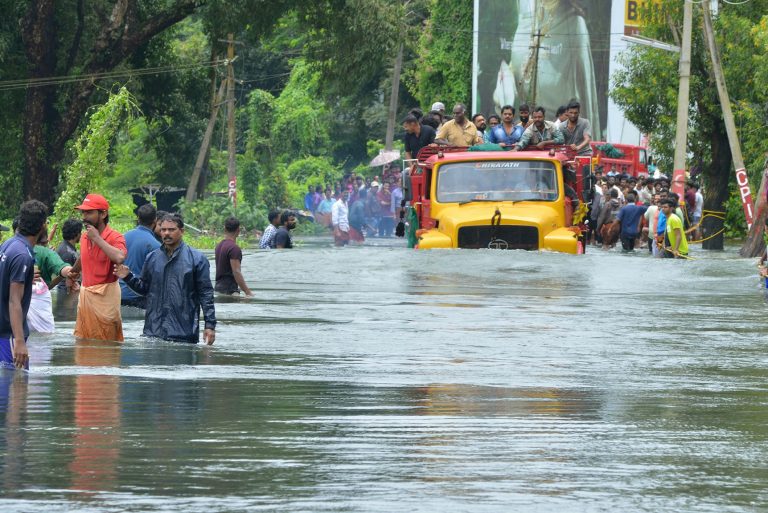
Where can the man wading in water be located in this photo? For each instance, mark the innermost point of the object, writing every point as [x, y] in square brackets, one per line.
[98, 309]
[176, 282]
[17, 265]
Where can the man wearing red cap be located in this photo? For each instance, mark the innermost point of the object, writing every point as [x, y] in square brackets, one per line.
[101, 247]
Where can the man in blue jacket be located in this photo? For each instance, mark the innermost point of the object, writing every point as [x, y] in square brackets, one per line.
[177, 284]
[140, 242]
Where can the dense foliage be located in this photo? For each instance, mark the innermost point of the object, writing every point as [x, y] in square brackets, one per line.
[647, 91]
[317, 75]
[92, 150]
[443, 70]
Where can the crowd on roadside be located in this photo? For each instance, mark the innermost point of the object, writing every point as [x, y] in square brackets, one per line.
[643, 210]
[358, 207]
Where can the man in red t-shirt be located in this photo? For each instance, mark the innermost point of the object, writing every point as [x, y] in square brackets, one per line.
[101, 247]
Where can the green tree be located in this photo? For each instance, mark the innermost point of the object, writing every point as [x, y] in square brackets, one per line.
[647, 92]
[443, 70]
[92, 151]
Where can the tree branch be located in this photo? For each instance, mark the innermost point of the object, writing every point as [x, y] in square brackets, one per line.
[77, 38]
[118, 39]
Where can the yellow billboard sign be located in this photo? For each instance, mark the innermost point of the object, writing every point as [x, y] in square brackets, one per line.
[634, 10]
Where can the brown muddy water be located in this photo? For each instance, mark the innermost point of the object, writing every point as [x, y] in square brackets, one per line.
[382, 379]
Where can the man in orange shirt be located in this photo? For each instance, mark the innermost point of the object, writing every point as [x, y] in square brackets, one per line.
[101, 247]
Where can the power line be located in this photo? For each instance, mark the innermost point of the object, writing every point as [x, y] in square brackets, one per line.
[8, 85]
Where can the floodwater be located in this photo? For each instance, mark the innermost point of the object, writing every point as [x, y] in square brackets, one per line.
[383, 379]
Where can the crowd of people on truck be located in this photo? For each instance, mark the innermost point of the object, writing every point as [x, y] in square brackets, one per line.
[530, 128]
[623, 208]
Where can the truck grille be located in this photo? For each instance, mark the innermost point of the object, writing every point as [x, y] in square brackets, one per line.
[505, 237]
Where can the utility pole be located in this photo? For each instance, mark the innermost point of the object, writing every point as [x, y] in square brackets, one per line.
[681, 134]
[205, 146]
[742, 180]
[231, 164]
[535, 77]
[393, 98]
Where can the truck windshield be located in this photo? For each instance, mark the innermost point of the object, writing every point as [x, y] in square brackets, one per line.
[510, 180]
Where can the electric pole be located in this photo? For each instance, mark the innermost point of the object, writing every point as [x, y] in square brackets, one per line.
[742, 180]
[231, 164]
[534, 78]
[393, 97]
[681, 133]
[205, 146]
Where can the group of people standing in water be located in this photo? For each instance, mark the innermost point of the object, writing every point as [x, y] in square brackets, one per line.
[166, 277]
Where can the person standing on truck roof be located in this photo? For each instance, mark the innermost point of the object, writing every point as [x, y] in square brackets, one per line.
[459, 131]
[507, 133]
[561, 117]
[525, 116]
[577, 131]
[493, 122]
[541, 133]
[479, 121]
[416, 136]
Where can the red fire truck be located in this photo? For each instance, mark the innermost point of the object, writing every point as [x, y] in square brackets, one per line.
[633, 162]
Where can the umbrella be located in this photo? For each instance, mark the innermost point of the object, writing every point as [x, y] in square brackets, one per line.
[385, 157]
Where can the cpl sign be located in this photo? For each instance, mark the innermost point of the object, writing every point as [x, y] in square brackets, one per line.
[746, 195]
[233, 190]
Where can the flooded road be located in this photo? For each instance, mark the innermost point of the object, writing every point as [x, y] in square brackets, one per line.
[382, 379]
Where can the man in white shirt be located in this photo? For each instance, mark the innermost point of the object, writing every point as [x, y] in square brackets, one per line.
[340, 220]
[697, 209]
[267, 240]
[561, 117]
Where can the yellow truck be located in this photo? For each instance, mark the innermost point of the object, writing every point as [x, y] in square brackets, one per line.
[498, 199]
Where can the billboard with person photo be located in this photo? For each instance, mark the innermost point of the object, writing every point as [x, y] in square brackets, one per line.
[543, 52]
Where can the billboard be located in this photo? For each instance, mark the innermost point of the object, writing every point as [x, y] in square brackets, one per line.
[634, 12]
[543, 52]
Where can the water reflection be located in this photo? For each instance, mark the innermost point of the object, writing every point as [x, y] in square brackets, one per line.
[96, 441]
[474, 400]
[437, 381]
[13, 406]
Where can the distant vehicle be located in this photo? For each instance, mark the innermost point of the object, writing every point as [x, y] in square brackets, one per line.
[499, 199]
[634, 161]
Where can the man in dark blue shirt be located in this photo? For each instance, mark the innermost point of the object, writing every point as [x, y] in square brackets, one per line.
[629, 215]
[416, 136]
[140, 242]
[17, 271]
